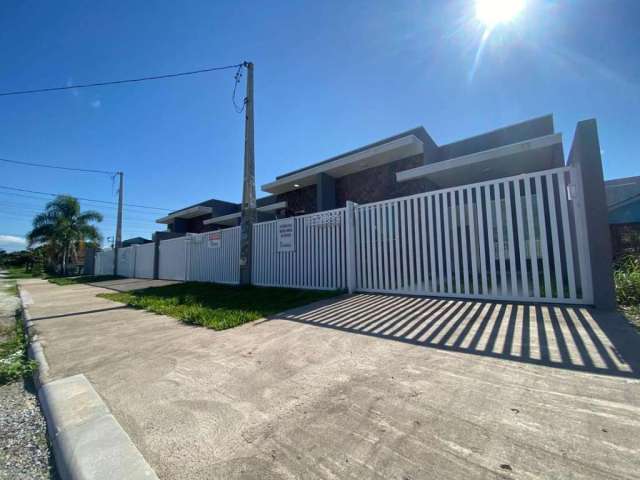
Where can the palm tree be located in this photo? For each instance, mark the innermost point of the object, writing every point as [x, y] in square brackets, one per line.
[64, 229]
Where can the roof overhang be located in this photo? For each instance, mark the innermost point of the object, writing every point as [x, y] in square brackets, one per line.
[533, 155]
[392, 151]
[272, 207]
[231, 218]
[187, 213]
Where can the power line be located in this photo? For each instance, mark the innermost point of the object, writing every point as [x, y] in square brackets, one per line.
[117, 82]
[32, 164]
[128, 210]
[237, 77]
[85, 199]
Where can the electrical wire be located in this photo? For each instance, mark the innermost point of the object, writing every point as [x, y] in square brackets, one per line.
[118, 82]
[85, 199]
[42, 165]
[237, 77]
[127, 210]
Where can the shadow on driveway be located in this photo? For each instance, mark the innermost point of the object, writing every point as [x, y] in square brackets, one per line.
[575, 338]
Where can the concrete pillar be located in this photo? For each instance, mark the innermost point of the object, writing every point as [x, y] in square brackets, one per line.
[350, 228]
[326, 192]
[585, 157]
[156, 257]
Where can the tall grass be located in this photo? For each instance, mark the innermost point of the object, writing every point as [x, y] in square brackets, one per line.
[627, 279]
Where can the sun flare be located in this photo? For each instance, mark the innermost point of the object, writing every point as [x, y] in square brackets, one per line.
[492, 12]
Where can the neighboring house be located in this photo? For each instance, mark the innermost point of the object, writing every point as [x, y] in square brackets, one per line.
[404, 164]
[623, 200]
[623, 203]
[135, 241]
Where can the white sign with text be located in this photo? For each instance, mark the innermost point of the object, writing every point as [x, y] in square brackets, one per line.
[214, 240]
[285, 235]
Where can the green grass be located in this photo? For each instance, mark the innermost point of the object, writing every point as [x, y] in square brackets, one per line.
[15, 273]
[14, 363]
[62, 281]
[217, 306]
[627, 279]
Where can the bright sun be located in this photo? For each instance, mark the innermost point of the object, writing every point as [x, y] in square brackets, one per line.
[492, 12]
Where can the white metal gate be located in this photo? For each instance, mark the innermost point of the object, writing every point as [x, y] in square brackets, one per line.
[516, 238]
[317, 259]
[172, 264]
[104, 262]
[144, 260]
[126, 262]
[214, 256]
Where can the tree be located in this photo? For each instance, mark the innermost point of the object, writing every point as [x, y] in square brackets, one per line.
[64, 229]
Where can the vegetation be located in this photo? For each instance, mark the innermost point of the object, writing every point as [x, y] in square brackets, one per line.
[14, 363]
[63, 230]
[62, 281]
[217, 306]
[14, 273]
[627, 279]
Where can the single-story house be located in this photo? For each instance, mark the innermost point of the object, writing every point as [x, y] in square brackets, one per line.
[135, 241]
[403, 164]
[623, 200]
[623, 205]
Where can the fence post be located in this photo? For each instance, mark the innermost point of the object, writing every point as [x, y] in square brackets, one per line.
[187, 252]
[135, 260]
[351, 246]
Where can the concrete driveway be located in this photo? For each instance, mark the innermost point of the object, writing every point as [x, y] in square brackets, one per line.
[367, 386]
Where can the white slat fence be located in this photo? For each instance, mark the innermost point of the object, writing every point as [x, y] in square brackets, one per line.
[217, 262]
[172, 264]
[144, 260]
[319, 257]
[516, 238]
[104, 262]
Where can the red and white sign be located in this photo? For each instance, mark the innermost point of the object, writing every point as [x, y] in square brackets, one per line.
[214, 240]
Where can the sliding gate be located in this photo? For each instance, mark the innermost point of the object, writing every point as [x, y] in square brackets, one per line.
[516, 238]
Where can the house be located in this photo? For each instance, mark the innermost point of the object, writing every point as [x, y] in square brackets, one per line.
[623, 200]
[623, 205]
[403, 164]
[411, 162]
[135, 241]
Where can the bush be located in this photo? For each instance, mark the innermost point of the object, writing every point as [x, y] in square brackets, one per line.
[14, 363]
[627, 279]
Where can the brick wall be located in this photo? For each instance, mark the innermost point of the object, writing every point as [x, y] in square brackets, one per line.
[300, 201]
[379, 183]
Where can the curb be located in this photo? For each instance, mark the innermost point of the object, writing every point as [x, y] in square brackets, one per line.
[35, 349]
[87, 440]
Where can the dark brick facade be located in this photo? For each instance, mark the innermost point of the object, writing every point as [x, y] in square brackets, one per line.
[371, 185]
[301, 200]
[379, 183]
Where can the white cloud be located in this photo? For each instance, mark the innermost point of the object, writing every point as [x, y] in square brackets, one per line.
[13, 239]
[12, 242]
[96, 104]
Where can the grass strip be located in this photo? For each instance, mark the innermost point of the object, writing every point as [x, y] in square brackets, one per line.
[217, 306]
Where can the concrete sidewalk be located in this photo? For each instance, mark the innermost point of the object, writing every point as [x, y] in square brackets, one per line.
[367, 386]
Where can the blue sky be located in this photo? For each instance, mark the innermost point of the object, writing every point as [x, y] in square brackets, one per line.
[330, 76]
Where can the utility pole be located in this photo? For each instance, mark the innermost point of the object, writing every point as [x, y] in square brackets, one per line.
[119, 224]
[249, 215]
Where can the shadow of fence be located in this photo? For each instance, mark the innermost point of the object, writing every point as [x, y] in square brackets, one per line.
[568, 337]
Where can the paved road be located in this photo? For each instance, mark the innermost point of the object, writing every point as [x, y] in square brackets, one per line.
[367, 386]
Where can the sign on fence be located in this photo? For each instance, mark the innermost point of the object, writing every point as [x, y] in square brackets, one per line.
[214, 240]
[285, 235]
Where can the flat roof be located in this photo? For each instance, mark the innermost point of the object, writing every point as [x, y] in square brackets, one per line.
[190, 212]
[229, 218]
[522, 157]
[373, 156]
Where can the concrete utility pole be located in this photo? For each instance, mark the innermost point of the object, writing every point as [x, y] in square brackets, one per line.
[119, 224]
[249, 215]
